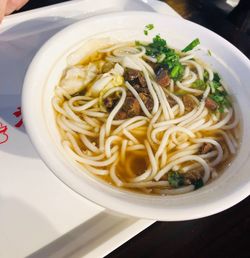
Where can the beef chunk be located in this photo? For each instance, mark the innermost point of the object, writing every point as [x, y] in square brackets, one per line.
[131, 106]
[135, 77]
[211, 104]
[171, 101]
[206, 147]
[140, 89]
[162, 77]
[110, 102]
[131, 74]
[147, 100]
[129, 93]
[142, 81]
[188, 102]
[121, 115]
[192, 176]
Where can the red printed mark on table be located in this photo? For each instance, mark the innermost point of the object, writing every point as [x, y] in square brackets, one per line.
[4, 128]
[18, 113]
[3, 133]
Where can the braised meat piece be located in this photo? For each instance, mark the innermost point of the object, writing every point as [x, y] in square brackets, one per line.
[110, 102]
[211, 104]
[135, 77]
[206, 147]
[188, 102]
[147, 100]
[192, 176]
[171, 101]
[162, 77]
[132, 107]
[140, 89]
[131, 74]
[129, 93]
[121, 115]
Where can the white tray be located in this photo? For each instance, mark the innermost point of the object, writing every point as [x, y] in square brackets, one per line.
[39, 215]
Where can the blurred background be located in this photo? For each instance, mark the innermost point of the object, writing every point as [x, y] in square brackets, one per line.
[228, 18]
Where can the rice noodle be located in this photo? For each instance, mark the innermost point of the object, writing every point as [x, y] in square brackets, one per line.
[144, 151]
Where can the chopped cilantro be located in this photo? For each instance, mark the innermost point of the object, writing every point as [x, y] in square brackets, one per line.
[216, 77]
[161, 57]
[198, 184]
[175, 179]
[221, 98]
[158, 44]
[145, 32]
[214, 86]
[218, 94]
[166, 57]
[192, 45]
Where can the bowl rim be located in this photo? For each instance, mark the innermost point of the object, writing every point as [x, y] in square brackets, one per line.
[110, 202]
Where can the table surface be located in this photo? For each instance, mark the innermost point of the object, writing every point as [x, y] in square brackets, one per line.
[226, 234]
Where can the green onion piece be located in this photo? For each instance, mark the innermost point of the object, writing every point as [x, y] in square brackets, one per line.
[150, 26]
[206, 75]
[175, 179]
[199, 84]
[160, 58]
[177, 71]
[192, 45]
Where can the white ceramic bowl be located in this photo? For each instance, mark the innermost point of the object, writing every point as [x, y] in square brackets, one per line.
[45, 71]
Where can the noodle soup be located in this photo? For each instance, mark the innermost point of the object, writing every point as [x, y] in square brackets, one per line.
[146, 117]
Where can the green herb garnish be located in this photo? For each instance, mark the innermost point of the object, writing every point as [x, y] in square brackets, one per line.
[205, 75]
[198, 184]
[214, 86]
[192, 45]
[165, 56]
[221, 98]
[218, 94]
[199, 84]
[148, 28]
[177, 71]
[209, 52]
[175, 179]
[216, 77]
